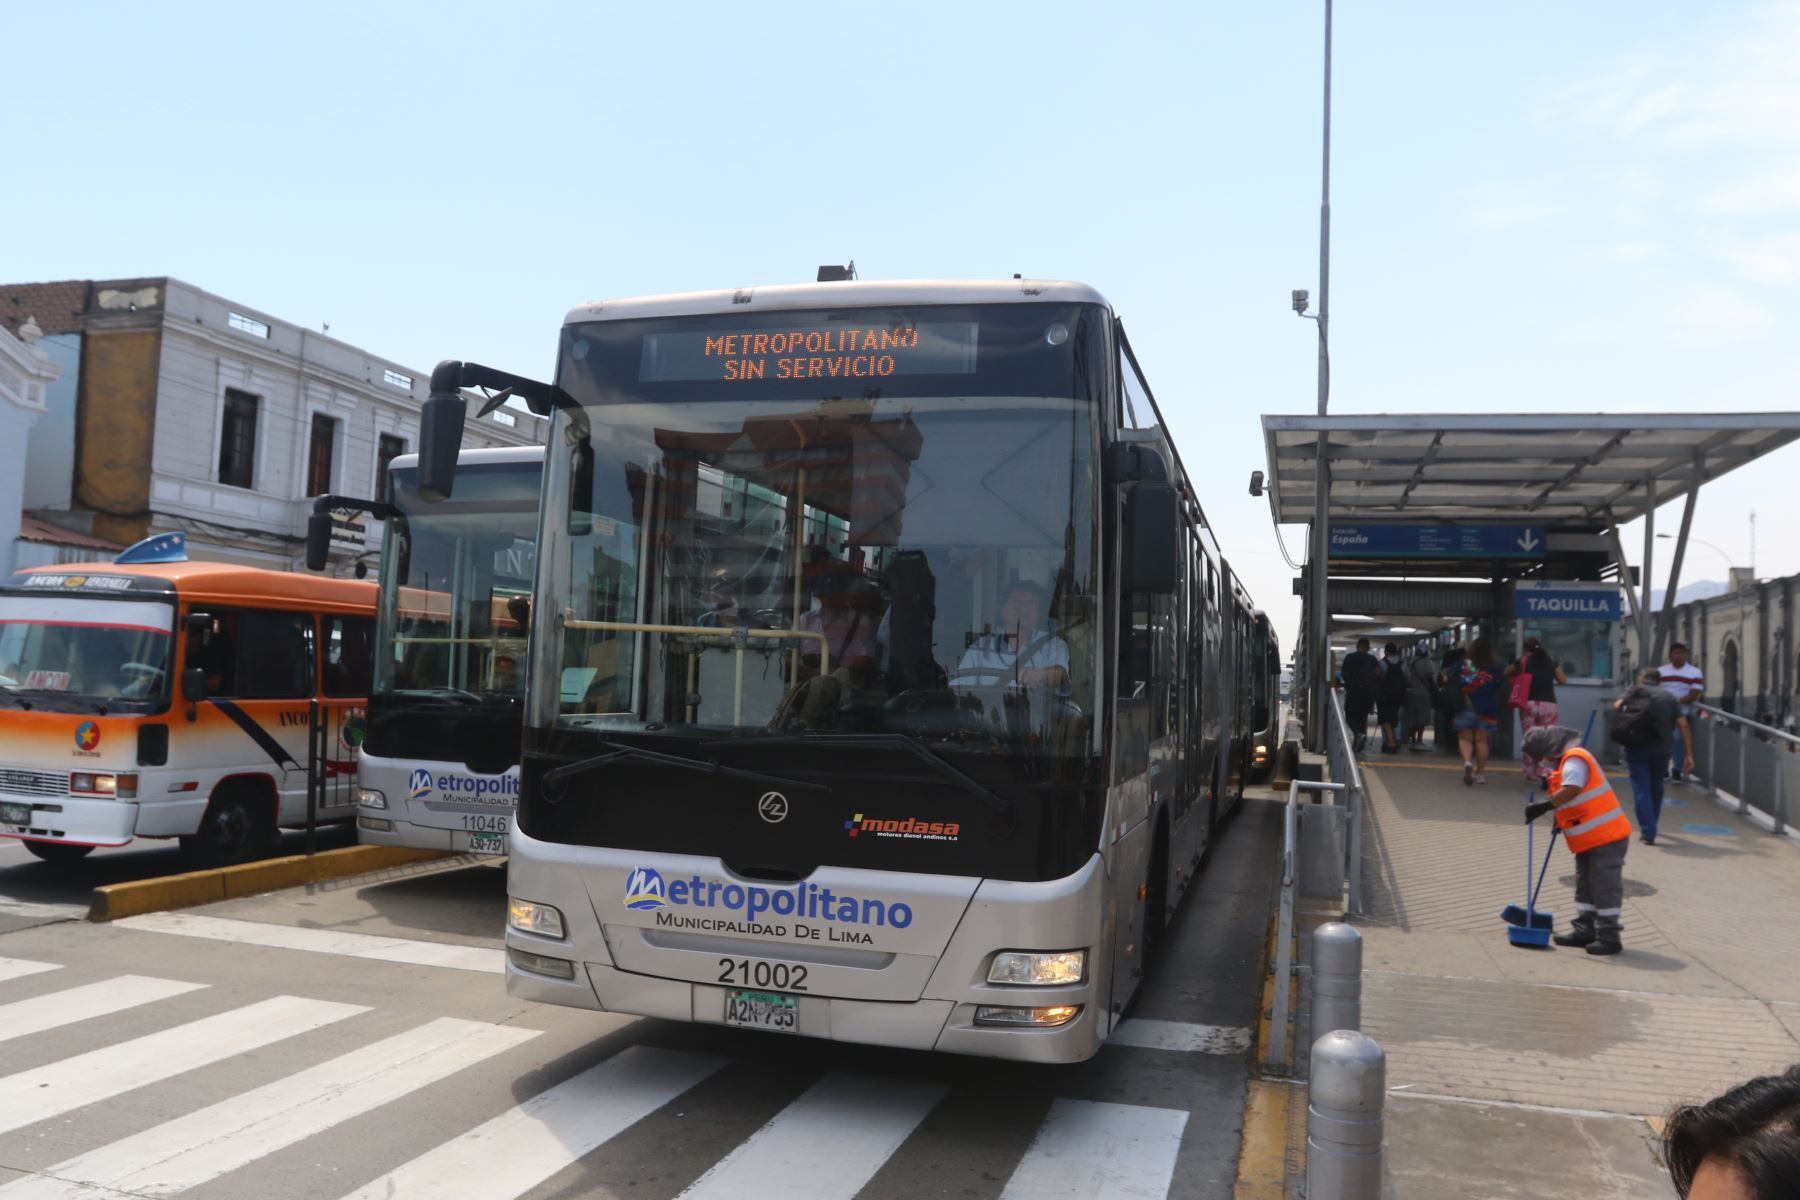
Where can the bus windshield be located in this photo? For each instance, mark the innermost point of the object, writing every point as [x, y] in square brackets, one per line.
[78, 648]
[456, 584]
[830, 523]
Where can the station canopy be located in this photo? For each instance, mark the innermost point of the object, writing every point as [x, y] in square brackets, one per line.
[1566, 471]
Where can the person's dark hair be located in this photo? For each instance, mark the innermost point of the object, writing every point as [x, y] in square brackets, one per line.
[1755, 1127]
[1674, 646]
[1481, 654]
[1362, 643]
[1533, 647]
[1650, 675]
[1393, 648]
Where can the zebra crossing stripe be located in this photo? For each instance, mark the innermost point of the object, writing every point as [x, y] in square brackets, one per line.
[202, 1146]
[22, 1018]
[1087, 1150]
[323, 941]
[524, 1146]
[60, 1087]
[828, 1143]
[19, 968]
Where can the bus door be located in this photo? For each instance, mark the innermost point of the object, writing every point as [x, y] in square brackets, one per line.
[260, 683]
[347, 651]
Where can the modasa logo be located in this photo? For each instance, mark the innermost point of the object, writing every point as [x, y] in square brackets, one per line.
[87, 736]
[419, 786]
[644, 889]
[906, 827]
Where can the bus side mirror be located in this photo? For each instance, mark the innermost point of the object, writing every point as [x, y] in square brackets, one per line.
[1153, 538]
[193, 684]
[318, 540]
[441, 432]
[199, 625]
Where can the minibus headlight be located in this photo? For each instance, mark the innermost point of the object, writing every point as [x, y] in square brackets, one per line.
[1036, 1018]
[527, 917]
[100, 783]
[1037, 969]
[370, 798]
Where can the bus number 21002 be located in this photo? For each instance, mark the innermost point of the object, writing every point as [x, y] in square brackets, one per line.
[780, 976]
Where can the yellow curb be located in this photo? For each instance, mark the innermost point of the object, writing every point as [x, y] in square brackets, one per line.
[1263, 1161]
[141, 896]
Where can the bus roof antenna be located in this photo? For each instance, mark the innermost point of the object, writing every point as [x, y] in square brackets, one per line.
[831, 273]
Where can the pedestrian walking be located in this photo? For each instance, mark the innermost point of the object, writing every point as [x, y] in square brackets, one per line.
[1687, 683]
[1421, 698]
[1591, 821]
[1540, 711]
[1390, 697]
[1362, 676]
[1646, 723]
[1743, 1144]
[1449, 695]
[1479, 683]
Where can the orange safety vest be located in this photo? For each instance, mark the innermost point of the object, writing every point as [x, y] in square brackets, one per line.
[1592, 817]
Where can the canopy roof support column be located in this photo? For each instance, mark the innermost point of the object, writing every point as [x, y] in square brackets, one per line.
[1643, 609]
[1666, 621]
[1618, 549]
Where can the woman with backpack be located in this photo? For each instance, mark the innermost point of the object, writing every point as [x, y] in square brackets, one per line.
[1421, 697]
[1534, 678]
[1480, 715]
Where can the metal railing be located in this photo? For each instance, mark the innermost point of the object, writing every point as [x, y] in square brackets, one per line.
[1276, 1052]
[1745, 758]
[1340, 757]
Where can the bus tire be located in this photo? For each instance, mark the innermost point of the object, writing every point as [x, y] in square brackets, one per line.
[236, 827]
[1156, 895]
[58, 852]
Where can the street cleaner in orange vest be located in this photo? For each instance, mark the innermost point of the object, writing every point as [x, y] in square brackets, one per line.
[1589, 816]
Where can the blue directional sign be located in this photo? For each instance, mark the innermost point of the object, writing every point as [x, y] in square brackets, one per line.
[1436, 539]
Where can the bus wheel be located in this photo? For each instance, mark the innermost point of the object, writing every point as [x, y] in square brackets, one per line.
[234, 829]
[59, 852]
[1156, 897]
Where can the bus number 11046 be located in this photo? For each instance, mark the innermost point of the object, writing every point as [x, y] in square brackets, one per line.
[780, 976]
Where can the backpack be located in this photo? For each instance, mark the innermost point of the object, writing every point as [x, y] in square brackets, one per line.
[1633, 724]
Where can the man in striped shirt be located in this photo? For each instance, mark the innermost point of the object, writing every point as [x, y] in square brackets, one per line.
[1687, 683]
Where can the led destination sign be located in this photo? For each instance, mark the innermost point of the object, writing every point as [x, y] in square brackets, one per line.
[835, 351]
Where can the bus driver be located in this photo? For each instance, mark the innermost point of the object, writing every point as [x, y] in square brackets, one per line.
[995, 660]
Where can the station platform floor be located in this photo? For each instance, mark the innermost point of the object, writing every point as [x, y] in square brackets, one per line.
[1524, 1072]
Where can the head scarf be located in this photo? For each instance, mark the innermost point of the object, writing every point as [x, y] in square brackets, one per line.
[1549, 742]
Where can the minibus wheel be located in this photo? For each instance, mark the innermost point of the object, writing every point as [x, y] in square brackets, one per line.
[59, 852]
[233, 830]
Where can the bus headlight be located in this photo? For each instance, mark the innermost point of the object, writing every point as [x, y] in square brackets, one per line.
[1038, 1018]
[527, 917]
[92, 783]
[1038, 969]
[370, 798]
[541, 964]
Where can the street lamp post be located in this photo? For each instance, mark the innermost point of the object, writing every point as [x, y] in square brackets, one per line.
[1319, 633]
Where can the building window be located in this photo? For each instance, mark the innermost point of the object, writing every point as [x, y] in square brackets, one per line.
[237, 440]
[505, 418]
[318, 455]
[249, 325]
[397, 379]
[387, 448]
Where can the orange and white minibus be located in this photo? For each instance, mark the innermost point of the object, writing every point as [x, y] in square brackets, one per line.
[178, 700]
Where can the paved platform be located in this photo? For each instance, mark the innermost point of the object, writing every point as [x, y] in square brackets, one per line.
[1505, 1063]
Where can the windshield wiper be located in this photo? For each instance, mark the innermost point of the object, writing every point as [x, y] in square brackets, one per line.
[902, 741]
[557, 776]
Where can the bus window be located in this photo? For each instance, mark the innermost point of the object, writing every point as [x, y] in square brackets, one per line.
[256, 655]
[349, 655]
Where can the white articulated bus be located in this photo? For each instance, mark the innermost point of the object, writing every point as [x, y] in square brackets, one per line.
[440, 764]
[882, 682]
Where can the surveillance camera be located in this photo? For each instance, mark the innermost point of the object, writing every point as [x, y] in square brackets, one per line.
[1256, 483]
[1301, 299]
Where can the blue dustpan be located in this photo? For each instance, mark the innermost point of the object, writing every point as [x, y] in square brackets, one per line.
[1529, 925]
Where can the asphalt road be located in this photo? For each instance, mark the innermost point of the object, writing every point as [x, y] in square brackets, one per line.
[355, 1041]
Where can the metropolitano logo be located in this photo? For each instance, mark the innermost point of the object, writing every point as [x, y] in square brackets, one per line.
[419, 786]
[644, 889]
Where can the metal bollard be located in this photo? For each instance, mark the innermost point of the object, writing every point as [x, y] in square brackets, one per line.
[1345, 1092]
[1336, 978]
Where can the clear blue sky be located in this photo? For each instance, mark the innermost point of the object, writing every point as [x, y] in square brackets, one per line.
[1537, 206]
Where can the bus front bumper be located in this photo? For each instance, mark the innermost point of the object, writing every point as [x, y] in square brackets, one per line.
[925, 1024]
[73, 819]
